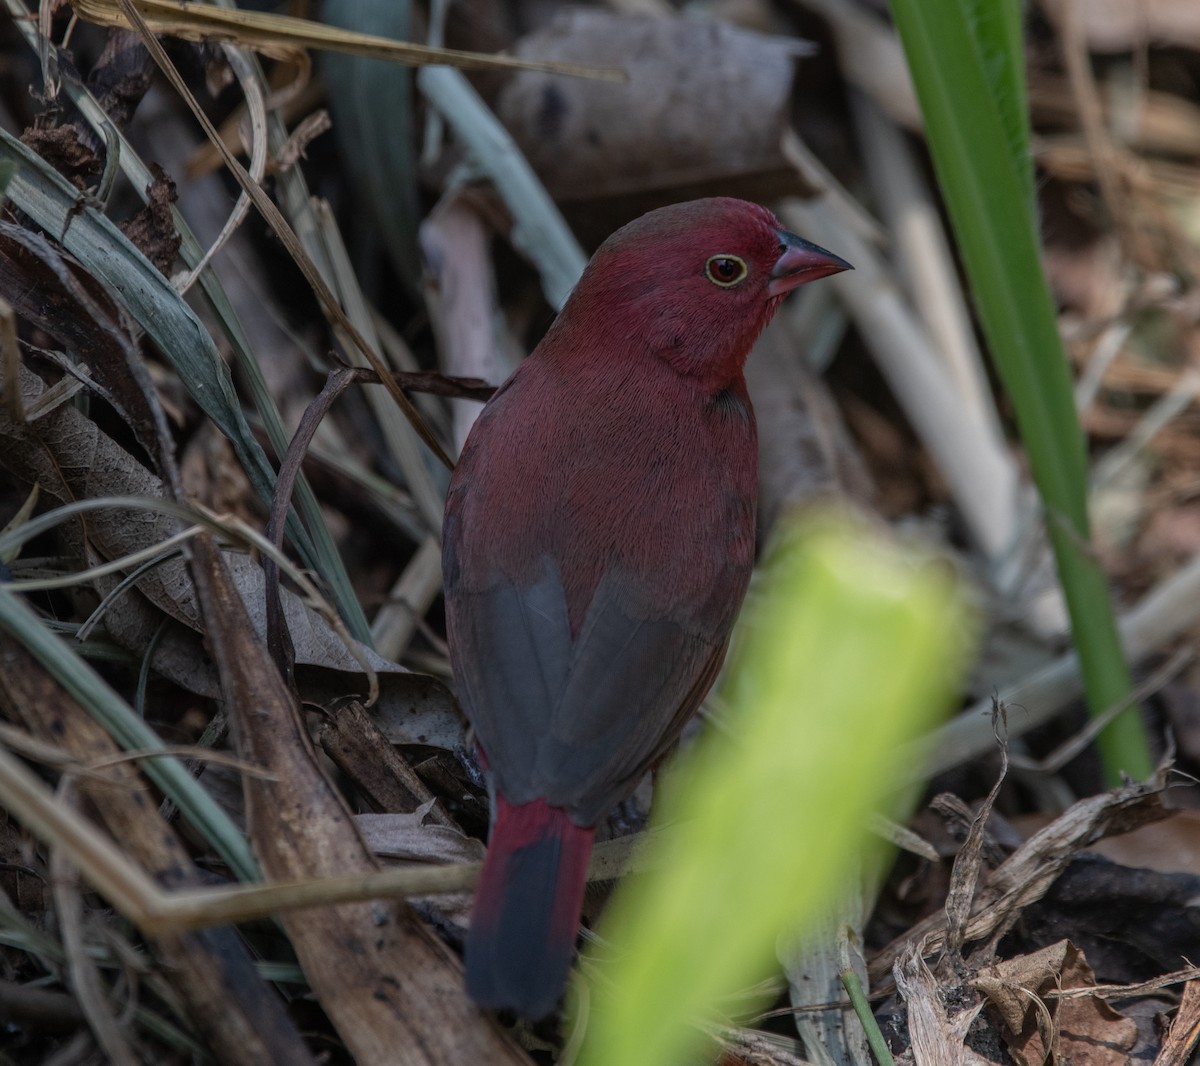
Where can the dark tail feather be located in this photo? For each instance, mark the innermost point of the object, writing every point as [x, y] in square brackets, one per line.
[527, 909]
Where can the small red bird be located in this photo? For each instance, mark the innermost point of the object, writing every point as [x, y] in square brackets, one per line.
[599, 537]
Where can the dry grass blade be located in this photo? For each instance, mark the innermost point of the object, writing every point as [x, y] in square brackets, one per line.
[30, 802]
[20, 517]
[1106, 157]
[281, 35]
[211, 972]
[196, 910]
[409, 599]
[85, 980]
[157, 912]
[284, 232]
[155, 552]
[1075, 745]
[1186, 976]
[1164, 615]
[54, 756]
[129, 729]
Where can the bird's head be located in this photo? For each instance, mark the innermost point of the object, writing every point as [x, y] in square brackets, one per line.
[693, 284]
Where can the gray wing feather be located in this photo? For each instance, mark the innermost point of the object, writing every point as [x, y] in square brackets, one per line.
[576, 723]
[629, 676]
[521, 639]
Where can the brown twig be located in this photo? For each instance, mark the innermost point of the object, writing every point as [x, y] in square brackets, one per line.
[279, 641]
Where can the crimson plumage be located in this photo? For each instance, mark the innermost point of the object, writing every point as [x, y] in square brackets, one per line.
[598, 541]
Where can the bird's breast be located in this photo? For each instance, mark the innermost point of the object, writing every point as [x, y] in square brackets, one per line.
[649, 481]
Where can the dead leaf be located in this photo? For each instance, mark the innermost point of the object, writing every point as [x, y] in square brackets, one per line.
[68, 455]
[46, 288]
[705, 103]
[212, 476]
[1083, 1030]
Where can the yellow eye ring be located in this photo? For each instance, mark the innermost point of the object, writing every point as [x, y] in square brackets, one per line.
[726, 270]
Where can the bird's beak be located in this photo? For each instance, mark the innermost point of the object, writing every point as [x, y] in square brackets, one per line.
[801, 261]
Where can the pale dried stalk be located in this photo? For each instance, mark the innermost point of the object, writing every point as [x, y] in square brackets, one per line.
[157, 912]
[283, 36]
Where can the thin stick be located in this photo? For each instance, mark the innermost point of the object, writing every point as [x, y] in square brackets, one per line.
[131, 891]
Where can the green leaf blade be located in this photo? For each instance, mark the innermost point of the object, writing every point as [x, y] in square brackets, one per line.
[959, 51]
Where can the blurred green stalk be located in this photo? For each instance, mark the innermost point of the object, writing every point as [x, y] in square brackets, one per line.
[852, 646]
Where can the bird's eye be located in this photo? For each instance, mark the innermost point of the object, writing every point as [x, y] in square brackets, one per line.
[725, 270]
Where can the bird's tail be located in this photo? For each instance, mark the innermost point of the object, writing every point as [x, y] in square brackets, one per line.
[527, 908]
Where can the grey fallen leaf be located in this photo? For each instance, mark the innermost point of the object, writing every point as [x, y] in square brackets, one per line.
[704, 101]
[411, 709]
